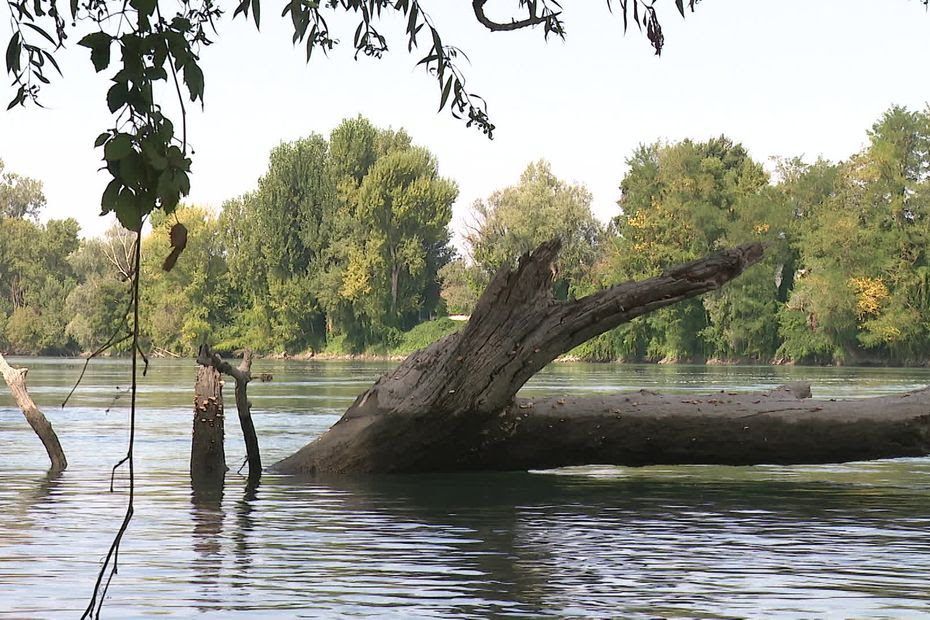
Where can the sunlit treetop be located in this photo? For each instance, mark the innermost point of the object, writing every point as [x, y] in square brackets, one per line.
[145, 42]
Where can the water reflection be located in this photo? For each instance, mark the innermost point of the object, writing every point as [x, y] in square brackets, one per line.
[537, 544]
[207, 519]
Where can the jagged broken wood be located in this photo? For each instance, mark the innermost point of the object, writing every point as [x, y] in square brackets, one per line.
[16, 379]
[242, 375]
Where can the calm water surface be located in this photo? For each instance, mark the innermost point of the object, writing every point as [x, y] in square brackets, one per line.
[717, 542]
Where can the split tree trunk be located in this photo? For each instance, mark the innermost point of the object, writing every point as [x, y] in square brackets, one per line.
[208, 454]
[452, 405]
[16, 379]
[435, 411]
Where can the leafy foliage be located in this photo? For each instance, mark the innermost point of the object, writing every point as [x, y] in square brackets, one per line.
[516, 219]
[343, 247]
[19, 196]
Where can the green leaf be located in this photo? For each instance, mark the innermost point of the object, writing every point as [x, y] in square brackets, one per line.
[118, 147]
[116, 96]
[131, 169]
[127, 211]
[445, 93]
[101, 139]
[193, 77]
[167, 190]
[12, 53]
[257, 13]
[152, 155]
[184, 183]
[681, 6]
[99, 44]
[243, 8]
[175, 156]
[18, 98]
[110, 194]
[41, 32]
[146, 7]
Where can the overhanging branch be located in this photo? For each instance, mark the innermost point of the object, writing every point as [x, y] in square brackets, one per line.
[532, 20]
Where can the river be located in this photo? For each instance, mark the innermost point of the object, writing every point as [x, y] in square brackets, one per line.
[834, 541]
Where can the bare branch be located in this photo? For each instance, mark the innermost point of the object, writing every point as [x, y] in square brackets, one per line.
[532, 20]
[16, 379]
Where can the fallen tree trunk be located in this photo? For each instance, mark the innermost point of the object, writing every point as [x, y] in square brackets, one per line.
[643, 428]
[452, 405]
[16, 379]
[433, 413]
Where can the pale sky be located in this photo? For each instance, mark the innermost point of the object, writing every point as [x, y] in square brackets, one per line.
[793, 77]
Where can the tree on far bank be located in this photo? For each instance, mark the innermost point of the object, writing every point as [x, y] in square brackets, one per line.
[865, 290]
[20, 196]
[341, 240]
[516, 219]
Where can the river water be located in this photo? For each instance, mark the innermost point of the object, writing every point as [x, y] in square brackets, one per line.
[834, 541]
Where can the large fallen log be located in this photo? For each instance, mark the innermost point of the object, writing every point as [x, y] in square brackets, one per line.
[452, 406]
[434, 412]
[16, 379]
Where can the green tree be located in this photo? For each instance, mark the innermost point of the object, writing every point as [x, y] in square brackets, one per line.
[96, 307]
[458, 290]
[20, 196]
[680, 201]
[516, 219]
[341, 239]
[871, 301]
[35, 277]
[190, 304]
[277, 237]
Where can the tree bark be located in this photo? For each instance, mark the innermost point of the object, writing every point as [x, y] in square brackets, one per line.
[643, 428]
[16, 379]
[436, 410]
[242, 376]
[208, 454]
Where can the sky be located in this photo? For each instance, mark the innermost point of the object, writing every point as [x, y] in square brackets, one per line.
[785, 78]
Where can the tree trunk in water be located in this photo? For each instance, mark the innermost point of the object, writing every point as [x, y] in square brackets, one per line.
[440, 409]
[16, 379]
[643, 428]
[242, 376]
[208, 454]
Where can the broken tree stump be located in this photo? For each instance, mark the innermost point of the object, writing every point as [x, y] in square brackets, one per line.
[208, 453]
[242, 375]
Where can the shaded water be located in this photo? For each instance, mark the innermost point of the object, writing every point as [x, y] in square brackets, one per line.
[822, 541]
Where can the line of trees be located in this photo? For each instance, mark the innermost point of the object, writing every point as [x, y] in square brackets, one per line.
[344, 246]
